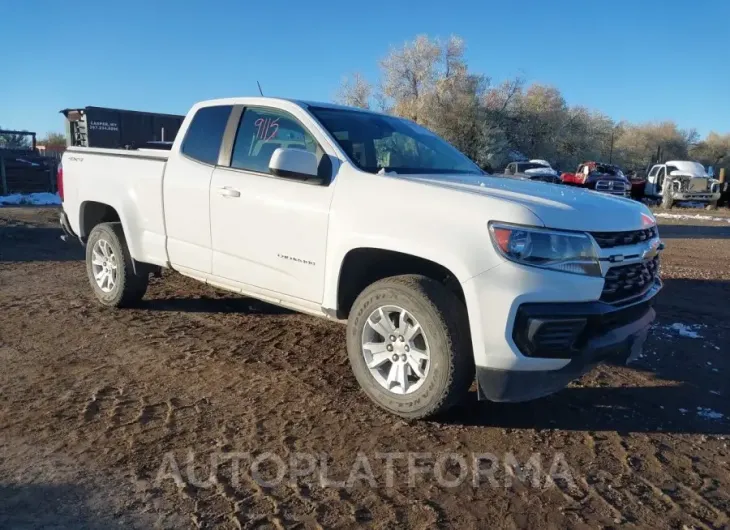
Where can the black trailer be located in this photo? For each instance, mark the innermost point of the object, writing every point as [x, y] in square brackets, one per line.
[118, 128]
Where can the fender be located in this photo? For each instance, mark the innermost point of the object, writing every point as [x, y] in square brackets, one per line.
[462, 267]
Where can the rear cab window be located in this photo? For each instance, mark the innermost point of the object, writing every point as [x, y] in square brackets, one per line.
[204, 135]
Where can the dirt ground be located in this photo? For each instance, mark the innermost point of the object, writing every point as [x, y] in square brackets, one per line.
[111, 417]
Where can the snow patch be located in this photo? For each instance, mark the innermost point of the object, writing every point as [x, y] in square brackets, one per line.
[696, 216]
[683, 330]
[36, 199]
[709, 414]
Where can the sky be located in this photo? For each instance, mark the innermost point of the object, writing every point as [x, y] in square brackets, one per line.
[639, 60]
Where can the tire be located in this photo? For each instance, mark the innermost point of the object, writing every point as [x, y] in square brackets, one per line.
[444, 326]
[128, 287]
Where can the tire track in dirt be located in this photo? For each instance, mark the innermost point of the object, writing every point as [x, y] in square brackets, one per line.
[196, 369]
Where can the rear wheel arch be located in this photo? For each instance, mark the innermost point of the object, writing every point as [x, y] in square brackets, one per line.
[92, 213]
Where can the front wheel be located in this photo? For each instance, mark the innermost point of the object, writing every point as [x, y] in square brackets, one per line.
[110, 269]
[409, 346]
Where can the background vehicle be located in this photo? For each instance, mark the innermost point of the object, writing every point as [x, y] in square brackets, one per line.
[638, 183]
[533, 170]
[441, 272]
[596, 176]
[679, 180]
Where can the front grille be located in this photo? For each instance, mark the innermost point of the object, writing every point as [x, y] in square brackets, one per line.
[629, 281]
[618, 239]
[611, 186]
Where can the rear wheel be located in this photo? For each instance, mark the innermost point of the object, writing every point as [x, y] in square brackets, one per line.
[409, 346]
[110, 269]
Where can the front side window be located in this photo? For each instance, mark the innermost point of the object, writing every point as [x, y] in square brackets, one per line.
[375, 142]
[261, 132]
[203, 138]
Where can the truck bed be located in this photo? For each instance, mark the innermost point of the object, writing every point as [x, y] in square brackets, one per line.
[130, 181]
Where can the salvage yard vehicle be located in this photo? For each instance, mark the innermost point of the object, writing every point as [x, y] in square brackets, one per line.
[605, 178]
[538, 171]
[439, 271]
[679, 180]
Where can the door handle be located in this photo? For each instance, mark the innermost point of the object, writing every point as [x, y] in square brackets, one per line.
[229, 192]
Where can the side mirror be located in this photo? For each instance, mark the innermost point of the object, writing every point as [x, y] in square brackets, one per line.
[294, 163]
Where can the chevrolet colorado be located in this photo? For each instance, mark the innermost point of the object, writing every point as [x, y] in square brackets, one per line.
[440, 271]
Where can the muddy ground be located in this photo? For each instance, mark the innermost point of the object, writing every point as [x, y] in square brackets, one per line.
[110, 418]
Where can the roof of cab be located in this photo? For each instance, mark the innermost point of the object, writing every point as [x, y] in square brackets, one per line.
[263, 100]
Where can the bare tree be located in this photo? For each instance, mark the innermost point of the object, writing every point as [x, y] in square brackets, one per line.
[713, 150]
[410, 72]
[428, 81]
[355, 91]
[53, 139]
[14, 141]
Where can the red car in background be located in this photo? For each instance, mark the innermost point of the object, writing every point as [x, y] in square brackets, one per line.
[597, 176]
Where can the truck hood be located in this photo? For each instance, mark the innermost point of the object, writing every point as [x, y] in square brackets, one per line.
[558, 206]
[539, 172]
[694, 169]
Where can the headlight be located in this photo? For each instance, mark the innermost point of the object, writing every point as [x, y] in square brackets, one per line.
[549, 249]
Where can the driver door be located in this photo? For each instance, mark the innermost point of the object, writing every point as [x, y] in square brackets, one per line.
[269, 232]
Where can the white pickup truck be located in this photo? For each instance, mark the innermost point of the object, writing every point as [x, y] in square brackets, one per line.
[440, 271]
[682, 180]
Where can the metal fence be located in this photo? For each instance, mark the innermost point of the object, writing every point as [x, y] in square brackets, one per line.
[21, 173]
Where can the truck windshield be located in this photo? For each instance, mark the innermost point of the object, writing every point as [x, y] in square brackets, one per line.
[608, 170]
[375, 143]
[530, 165]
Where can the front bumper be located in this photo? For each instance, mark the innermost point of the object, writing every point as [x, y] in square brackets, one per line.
[610, 334]
[696, 196]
